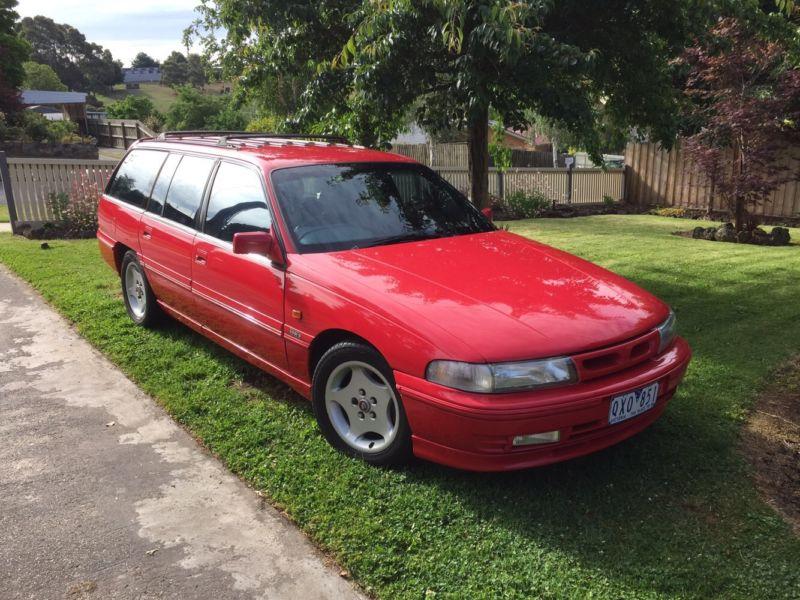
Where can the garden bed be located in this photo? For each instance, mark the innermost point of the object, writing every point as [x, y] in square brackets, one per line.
[771, 442]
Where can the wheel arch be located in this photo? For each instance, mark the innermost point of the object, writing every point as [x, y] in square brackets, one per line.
[325, 340]
[119, 253]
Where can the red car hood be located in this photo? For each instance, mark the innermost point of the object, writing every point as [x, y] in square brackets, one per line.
[491, 296]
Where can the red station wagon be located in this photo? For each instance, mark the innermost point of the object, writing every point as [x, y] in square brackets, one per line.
[375, 289]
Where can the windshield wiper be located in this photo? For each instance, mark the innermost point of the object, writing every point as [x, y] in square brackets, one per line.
[409, 236]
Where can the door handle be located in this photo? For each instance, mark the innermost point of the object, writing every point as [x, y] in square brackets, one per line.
[200, 257]
[147, 233]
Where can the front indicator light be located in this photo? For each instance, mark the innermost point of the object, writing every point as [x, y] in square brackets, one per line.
[548, 437]
[666, 332]
[502, 377]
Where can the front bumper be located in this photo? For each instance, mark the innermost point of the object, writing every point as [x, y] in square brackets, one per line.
[475, 431]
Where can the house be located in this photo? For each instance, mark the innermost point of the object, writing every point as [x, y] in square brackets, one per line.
[133, 77]
[517, 140]
[71, 105]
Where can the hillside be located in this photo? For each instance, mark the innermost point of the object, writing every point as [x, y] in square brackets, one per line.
[162, 96]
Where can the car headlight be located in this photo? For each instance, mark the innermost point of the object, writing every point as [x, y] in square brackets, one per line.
[666, 332]
[501, 377]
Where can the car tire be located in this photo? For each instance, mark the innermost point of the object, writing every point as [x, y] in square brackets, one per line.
[357, 406]
[140, 302]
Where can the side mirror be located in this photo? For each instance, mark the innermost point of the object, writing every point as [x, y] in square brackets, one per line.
[263, 243]
[487, 212]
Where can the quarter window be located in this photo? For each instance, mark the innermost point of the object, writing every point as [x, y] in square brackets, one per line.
[135, 176]
[237, 203]
[186, 190]
[156, 202]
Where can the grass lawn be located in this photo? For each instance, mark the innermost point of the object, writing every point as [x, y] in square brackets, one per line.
[162, 96]
[4, 218]
[670, 513]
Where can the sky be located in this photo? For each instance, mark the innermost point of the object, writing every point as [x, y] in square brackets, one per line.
[126, 27]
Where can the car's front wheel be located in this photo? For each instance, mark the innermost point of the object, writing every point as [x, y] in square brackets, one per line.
[140, 302]
[357, 406]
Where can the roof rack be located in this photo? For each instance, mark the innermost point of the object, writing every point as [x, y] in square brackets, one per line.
[221, 138]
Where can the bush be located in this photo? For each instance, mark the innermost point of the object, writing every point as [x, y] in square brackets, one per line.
[131, 107]
[526, 205]
[75, 213]
[32, 127]
[669, 211]
[608, 201]
[195, 110]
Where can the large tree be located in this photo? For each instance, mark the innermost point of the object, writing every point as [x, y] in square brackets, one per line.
[13, 52]
[175, 69]
[41, 77]
[368, 67]
[144, 61]
[743, 88]
[80, 65]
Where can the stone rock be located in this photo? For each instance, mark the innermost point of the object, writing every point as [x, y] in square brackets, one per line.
[697, 233]
[780, 236]
[710, 233]
[744, 237]
[725, 233]
[760, 237]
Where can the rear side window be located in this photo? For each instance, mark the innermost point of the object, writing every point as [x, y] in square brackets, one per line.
[237, 203]
[135, 176]
[186, 190]
[156, 202]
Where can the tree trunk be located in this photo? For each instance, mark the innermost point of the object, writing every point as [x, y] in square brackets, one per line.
[479, 158]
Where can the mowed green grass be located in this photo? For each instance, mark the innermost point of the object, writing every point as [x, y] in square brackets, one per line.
[4, 218]
[671, 513]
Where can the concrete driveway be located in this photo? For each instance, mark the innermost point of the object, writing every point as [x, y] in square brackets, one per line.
[103, 496]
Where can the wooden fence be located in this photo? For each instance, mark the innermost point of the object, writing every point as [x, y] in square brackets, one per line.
[117, 133]
[31, 181]
[657, 177]
[587, 186]
[457, 156]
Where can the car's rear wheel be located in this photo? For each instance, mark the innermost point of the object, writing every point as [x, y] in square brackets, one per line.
[140, 302]
[357, 406]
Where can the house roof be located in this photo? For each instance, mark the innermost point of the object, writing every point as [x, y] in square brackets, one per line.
[30, 97]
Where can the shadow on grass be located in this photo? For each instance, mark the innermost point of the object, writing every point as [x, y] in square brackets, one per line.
[668, 512]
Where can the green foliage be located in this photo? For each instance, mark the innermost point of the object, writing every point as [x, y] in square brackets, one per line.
[500, 153]
[670, 513]
[31, 126]
[527, 205]
[175, 70]
[608, 200]
[195, 110]
[669, 211]
[143, 61]
[13, 53]
[267, 124]
[79, 64]
[131, 107]
[41, 77]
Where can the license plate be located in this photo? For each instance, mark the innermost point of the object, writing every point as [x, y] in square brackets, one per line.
[628, 405]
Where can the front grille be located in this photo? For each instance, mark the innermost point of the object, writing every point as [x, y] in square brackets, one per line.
[619, 357]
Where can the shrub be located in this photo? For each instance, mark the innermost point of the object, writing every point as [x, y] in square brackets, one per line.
[131, 107]
[669, 211]
[527, 205]
[75, 212]
[608, 200]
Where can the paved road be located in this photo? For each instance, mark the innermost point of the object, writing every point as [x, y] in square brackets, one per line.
[103, 496]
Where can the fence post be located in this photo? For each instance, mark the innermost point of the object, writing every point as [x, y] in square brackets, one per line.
[5, 175]
[570, 165]
[501, 184]
[110, 136]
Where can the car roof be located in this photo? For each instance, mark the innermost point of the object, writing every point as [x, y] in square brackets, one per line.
[274, 153]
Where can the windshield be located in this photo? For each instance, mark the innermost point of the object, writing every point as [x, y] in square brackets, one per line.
[345, 206]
